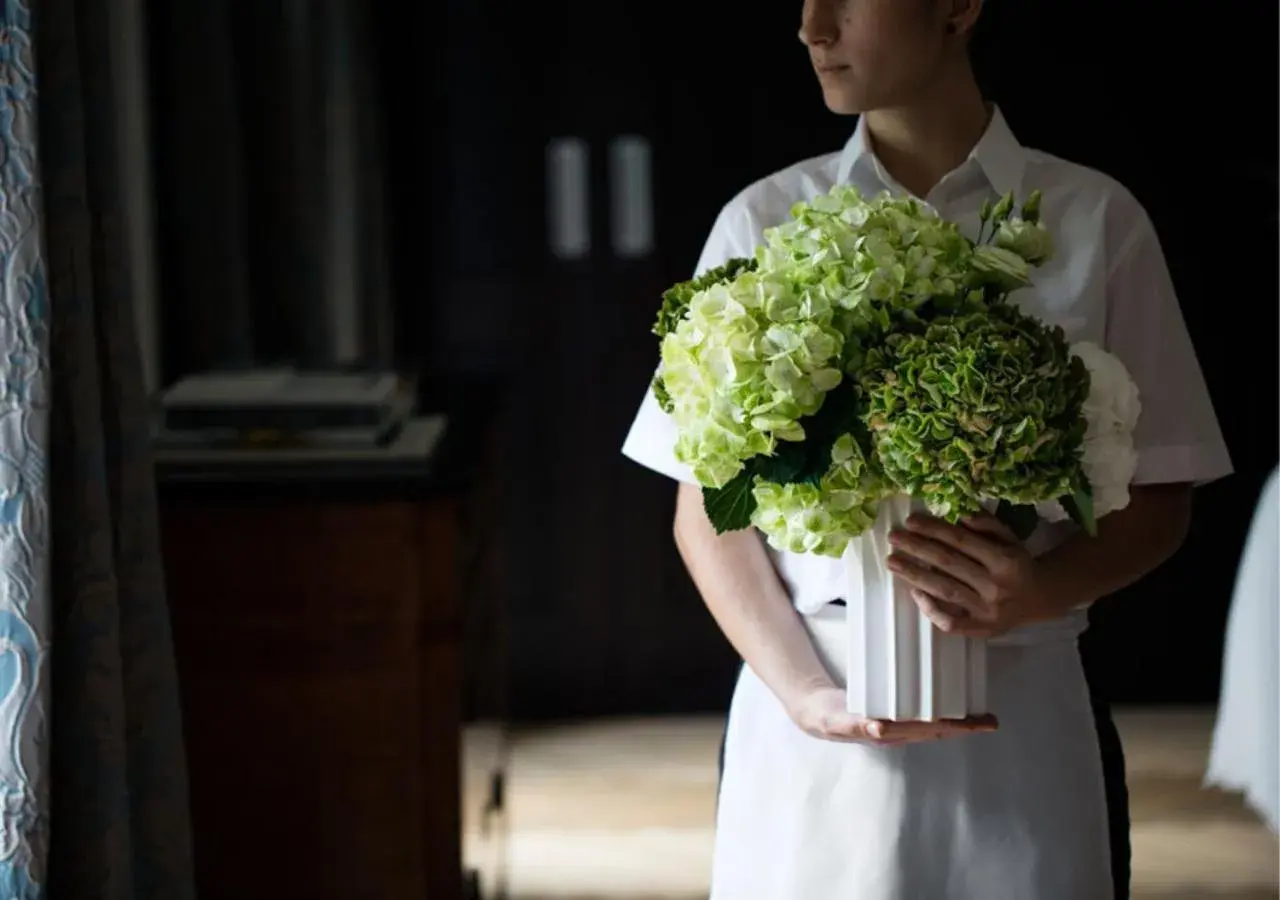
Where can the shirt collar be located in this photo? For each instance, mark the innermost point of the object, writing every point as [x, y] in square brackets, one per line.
[998, 154]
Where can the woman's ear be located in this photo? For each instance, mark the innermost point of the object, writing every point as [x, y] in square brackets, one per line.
[963, 16]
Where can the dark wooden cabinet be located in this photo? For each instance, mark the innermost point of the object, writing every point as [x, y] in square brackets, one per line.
[319, 645]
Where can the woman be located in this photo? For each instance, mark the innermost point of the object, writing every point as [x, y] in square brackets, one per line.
[815, 803]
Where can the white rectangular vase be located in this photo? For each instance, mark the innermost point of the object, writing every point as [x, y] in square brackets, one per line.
[901, 667]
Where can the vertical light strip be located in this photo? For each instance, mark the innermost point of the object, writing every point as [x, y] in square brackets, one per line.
[631, 186]
[568, 198]
[129, 68]
[342, 241]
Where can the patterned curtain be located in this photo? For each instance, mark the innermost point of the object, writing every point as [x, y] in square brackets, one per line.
[92, 772]
[271, 175]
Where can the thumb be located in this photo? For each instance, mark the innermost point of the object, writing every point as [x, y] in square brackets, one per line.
[856, 728]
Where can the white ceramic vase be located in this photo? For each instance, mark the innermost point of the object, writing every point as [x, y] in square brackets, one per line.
[898, 666]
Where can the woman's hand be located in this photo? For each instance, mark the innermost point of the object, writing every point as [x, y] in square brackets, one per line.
[974, 579]
[821, 713]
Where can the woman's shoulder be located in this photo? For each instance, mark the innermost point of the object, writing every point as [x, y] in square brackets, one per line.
[768, 200]
[1086, 187]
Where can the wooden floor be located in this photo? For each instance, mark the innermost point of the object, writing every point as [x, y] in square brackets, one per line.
[622, 810]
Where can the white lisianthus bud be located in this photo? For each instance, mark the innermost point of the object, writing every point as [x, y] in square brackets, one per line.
[1030, 240]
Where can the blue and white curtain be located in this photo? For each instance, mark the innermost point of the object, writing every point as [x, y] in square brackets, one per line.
[91, 771]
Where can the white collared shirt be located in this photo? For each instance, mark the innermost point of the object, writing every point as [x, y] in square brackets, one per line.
[1107, 283]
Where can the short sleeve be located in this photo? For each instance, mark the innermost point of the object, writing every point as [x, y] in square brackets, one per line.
[1177, 437]
[652, 439]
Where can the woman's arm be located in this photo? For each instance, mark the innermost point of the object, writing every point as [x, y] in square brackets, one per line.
[742, 590]
[977, 579]
[1130, 544]
[740, 587]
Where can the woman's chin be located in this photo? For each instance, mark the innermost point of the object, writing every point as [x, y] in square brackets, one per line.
[842, 100]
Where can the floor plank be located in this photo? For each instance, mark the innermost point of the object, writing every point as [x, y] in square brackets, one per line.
[623, 810]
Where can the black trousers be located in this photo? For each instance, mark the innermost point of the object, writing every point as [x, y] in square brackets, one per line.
[1114, 784]
[1113, 776]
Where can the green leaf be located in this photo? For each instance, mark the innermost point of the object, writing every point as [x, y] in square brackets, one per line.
[660, 393]
[785, 466]
[729, 508]
[837, 416]
[807, 461]
[1020, 518]
[813, 478]
[1079, 507]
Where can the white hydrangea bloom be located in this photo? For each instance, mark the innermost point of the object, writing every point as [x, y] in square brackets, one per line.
[1111, 412]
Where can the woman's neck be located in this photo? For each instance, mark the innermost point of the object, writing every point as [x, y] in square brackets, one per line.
[920, 144]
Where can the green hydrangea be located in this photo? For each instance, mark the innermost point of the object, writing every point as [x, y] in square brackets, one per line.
[982, 404]
[676, 299]
[751, 357]
[822, 518]
[873, 255]
[869, 349]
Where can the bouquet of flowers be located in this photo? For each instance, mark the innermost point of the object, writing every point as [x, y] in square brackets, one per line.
[871, 350]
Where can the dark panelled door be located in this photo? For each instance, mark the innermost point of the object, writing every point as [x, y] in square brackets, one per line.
[686, 104]
[604, 618]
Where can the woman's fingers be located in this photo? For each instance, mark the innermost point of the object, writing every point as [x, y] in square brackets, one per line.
[880, 732]
[947, 618]
[937, 730]
[938, 555]
[936, 584]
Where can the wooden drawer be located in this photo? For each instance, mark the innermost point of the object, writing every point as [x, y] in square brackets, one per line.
[291, 562]
[319, 663]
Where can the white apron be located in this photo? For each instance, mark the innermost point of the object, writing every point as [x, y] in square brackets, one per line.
[1018, 814]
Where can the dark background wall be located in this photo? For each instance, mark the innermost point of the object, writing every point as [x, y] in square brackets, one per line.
[468, 95]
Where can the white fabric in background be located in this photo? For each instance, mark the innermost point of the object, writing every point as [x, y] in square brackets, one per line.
[1246, 740]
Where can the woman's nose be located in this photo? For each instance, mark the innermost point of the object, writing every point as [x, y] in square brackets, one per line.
[819, 22]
